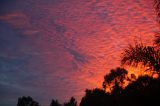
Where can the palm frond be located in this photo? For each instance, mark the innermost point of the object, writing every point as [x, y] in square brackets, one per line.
[146, 55]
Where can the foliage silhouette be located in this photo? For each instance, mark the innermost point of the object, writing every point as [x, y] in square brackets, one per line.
[142, 92]
[96, 97]
[116, 75]
[72, 102]
[27, 101]
[146, 55]
[55, 103]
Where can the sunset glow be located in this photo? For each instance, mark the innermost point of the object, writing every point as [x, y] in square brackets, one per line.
[58, 48]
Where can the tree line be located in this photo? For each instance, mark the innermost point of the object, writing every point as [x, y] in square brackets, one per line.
[28, 101]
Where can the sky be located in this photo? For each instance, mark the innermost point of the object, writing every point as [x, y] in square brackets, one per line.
[55, 49]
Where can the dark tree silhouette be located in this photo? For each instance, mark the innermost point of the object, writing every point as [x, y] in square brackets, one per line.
[72, 102]
[96, 97]
[146, 55]
[55, 103]
[27, 101]
[116, 75]
[142, 92]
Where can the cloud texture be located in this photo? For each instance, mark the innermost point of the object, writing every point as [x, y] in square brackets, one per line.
[58, 48]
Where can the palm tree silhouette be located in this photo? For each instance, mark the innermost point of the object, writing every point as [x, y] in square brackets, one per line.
[146, 55]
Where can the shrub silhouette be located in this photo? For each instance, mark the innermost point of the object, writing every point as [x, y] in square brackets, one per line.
[55, 103]
[27, 101]
[72, 102]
